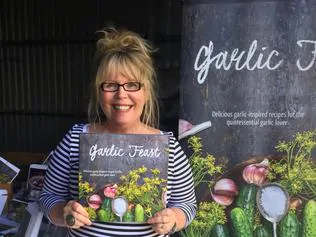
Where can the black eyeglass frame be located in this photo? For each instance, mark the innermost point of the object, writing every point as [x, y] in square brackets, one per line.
[139, 86]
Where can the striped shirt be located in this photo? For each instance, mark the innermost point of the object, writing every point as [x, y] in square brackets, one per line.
[61, 184]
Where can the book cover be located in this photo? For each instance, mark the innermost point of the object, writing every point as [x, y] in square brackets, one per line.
[8, 171]
[123, 177]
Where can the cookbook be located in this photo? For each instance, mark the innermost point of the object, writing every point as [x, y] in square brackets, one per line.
[8, 171]
[123, 177]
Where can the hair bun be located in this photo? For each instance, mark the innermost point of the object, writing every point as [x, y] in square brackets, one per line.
[116, 41]
[113, 40]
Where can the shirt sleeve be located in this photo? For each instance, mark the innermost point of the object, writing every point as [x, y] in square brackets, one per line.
[56, 182]
[181, 182]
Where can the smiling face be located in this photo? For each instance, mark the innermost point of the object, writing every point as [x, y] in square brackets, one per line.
[123, 109]
[122, 57]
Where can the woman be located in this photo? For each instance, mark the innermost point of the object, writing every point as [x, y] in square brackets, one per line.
[123, 101]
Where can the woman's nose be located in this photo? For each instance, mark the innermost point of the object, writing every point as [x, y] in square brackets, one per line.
[121, 92]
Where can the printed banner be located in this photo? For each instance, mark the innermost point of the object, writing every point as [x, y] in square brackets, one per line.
[248, 105]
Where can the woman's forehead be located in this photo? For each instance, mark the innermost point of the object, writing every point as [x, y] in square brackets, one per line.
[114, 68]
[117, 74]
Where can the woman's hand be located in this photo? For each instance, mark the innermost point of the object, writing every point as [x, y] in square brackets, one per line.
[81, 216]
[163, 222]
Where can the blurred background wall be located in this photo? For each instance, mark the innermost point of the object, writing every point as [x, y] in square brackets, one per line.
[46, 60]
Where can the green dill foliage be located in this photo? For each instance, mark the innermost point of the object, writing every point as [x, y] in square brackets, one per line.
[296, 171]
[92, 213]
[145, 187]
[84, 188]
[208, 215]
[204, 170]
[202, 165]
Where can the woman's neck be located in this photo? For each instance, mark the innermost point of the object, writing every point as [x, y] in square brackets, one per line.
[138, 128]
[115, 128]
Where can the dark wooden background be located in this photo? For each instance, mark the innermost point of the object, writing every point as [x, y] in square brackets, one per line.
[46, 53]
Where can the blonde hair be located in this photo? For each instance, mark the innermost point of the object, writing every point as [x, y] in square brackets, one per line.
[126, 53]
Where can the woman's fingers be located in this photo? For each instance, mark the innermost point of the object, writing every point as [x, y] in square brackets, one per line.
[81, 218]
[163, 221]
[75, 215]
[77, 207]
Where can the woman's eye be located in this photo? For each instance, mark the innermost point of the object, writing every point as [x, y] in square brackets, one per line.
[132, 84]
[110, 86]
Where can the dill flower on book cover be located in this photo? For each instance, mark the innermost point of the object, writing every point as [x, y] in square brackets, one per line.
[123, 177]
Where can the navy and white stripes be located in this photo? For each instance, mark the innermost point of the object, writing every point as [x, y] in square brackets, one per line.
[61, 184]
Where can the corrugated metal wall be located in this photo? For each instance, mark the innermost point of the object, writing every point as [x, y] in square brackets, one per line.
[46, 55]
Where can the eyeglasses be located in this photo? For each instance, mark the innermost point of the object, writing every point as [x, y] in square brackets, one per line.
[128, 86]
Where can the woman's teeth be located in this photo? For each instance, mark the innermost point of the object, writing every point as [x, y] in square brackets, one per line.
[121, 107]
